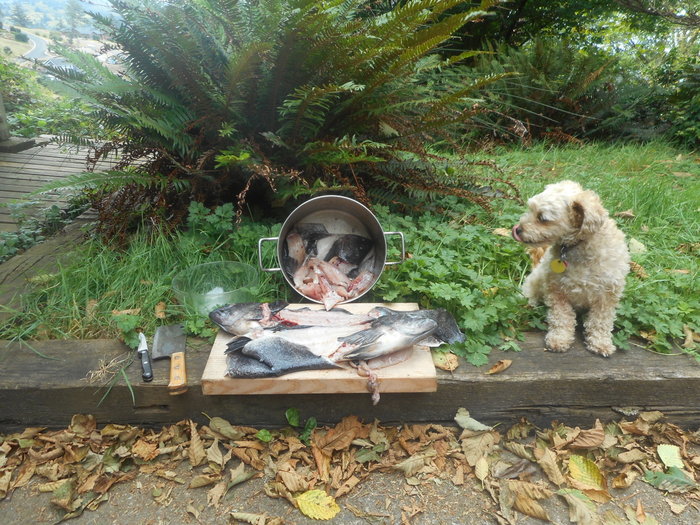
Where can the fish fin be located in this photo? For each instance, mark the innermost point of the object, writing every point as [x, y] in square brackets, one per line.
[278, 305]
[431, 341]
[244, 367]
[363, 337]
[236, 344]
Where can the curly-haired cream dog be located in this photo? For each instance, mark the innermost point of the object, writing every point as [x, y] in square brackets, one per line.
[582, 269]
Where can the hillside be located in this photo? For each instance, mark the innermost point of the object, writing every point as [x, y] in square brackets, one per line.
[49, 14]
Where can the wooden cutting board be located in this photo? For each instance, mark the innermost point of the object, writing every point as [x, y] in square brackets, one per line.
[416, 374]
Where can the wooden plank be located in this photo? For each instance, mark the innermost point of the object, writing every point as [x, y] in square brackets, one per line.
[575, 388]
[26, 172]
[416, 374]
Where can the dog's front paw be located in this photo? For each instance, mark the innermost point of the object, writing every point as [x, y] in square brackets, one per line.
[602, 349]
[558, 342]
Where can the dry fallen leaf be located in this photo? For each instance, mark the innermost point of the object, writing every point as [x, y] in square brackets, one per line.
[145, 450]
[500, 366]
[160, 310]
[130, 311]
[581, 509]
[638, 270]
[627, 214]
[548, 462]
[478, 445]
[591, 438]
[632, 456]
[445, 361]
[525, 501]
[676, 508]
[481, 469]
[317, 505]
[256, 519]
[586, 476]
[691, 338]
[503, 232]
[196, 452]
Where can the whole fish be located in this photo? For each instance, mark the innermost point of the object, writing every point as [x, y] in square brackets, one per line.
[447, 330]
[387, 335]
[246, 318]
[320, 340]
[271, 357]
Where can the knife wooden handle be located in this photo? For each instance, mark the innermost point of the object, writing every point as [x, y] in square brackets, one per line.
[178, 374]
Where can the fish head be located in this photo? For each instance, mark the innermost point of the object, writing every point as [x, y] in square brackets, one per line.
[415, 327]
[237, 319]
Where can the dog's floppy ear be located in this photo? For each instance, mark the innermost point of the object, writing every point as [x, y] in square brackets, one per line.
[587, 213]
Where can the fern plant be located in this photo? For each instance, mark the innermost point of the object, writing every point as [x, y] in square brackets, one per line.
[560, 90]
[224, 94]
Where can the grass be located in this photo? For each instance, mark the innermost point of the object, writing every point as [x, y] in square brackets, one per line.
[456, 261]
[7, 40]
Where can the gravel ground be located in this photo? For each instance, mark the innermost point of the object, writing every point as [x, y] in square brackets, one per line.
[383, 498]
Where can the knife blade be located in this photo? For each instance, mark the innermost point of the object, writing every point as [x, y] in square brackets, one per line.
[169, 341]
[146, 368]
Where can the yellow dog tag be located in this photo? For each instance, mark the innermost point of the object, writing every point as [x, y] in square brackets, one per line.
[558, 266]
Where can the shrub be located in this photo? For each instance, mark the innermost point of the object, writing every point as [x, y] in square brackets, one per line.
[564, 92]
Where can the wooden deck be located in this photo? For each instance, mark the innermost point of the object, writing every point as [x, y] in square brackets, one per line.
[27, 171]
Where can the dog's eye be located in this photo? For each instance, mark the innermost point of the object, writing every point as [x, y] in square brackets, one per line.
[542, 218]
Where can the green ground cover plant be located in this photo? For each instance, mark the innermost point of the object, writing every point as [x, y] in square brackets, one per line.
[457, 258]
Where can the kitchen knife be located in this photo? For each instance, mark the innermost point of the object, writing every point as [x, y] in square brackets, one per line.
[146, 368]
[169, 341]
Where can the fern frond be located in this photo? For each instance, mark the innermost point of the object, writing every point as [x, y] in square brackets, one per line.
[110, 181]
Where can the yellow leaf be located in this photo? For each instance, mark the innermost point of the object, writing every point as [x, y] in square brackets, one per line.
[670, 455]
[317, 505]
[445, 361]
[586, 472]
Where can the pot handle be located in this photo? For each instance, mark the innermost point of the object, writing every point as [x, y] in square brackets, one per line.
[403, 248]
[260, 261]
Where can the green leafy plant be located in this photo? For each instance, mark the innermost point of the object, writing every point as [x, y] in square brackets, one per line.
[294, 420]
[128, 325]
[465, 269]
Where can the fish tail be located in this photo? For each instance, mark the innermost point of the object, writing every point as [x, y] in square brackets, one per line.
[237, 343]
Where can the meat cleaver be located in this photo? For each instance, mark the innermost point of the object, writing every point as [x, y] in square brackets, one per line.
[169, 341]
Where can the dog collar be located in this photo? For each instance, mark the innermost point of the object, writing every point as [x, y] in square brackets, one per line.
[560, 264]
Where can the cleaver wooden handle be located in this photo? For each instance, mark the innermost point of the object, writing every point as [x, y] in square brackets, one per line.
[178, 374]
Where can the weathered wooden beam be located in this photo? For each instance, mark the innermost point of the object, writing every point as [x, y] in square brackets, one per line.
[576, 388]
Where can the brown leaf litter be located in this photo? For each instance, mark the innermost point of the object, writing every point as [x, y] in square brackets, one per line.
[520, 468]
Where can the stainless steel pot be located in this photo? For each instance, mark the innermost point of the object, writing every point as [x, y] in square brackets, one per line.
[340, 215]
